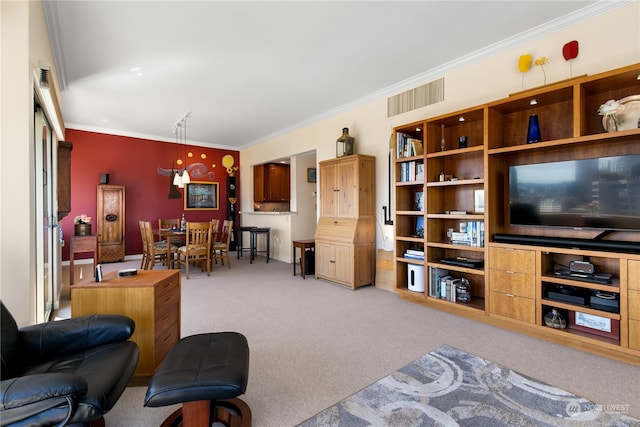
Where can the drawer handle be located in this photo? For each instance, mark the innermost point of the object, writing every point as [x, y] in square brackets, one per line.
[335, 222]
[332, 262]
[167, 299]
[511, 295]
[510, 272]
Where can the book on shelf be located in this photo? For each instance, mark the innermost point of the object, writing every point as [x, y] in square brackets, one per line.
[419, 201]
[420, 172]
[419, 226]
[406, 146]
[415, 252]
[416, 257]
[409, 171]
[471, 234]
[435, 275]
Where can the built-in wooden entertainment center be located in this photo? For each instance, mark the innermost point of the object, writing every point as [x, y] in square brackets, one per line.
[442, 182]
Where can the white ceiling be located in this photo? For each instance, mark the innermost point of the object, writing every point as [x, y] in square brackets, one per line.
[251, 70]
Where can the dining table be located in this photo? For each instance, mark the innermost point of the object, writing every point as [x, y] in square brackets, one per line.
[170, 235]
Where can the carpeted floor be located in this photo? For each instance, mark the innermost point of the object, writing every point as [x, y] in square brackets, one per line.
[449, 387]
[313, 343]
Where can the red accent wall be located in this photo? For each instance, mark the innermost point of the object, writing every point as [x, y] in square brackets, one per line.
[134, 163]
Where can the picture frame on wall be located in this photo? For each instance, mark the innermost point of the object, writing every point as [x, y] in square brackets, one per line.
[200, 195]
[311, 174]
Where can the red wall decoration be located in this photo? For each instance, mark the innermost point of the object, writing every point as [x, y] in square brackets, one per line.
[143, 166]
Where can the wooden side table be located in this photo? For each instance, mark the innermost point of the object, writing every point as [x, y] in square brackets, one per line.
[303, 245]
[81, 244]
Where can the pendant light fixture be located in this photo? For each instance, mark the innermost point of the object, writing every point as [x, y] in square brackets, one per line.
[181, 177]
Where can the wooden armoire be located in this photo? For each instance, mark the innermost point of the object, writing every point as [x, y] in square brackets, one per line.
[345, 235]
[110, 223]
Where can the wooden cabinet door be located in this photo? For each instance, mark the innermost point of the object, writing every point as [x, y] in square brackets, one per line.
[259, 185]
[64, 178]
[328, 187]
[110, 223]
[278, 183]
[343, 261]
[325, 266]
[347, 194]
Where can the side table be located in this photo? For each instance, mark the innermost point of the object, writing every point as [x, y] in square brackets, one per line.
[80, 244]
[303, 245]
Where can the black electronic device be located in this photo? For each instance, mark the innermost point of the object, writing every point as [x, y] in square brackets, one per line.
[601, 278]
[581, 267]
[569, 242]
[605, 301]
[463, 262]
[583, 194]
[569, 294]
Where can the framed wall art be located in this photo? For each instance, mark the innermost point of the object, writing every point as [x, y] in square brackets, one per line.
[201, 195]
[311, 174]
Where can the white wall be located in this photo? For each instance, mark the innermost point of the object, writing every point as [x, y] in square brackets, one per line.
[607, 41]
[24, 45]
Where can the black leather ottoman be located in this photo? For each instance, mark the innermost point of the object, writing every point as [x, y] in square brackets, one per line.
[206, 373]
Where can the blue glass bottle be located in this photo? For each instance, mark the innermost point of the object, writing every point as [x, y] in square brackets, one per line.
[533, 134]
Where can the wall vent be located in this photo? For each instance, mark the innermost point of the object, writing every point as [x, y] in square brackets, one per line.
[418, 97]
[44, 78]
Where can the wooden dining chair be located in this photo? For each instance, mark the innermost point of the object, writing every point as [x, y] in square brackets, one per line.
[154, 251]
[197, 246]
[215, 230]
[166, 223]
[220, 249]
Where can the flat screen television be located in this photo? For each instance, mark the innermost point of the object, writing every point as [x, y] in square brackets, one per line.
[601, 193]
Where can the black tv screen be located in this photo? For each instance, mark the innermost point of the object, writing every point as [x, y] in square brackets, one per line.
[602, 193]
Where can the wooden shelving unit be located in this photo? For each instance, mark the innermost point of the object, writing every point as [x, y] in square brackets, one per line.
[511, 288]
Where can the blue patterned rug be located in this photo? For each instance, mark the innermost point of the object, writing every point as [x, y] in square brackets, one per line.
[449, 387]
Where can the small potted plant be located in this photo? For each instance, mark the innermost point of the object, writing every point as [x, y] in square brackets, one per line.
[82, 225]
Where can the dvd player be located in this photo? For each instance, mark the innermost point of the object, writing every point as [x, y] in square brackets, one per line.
[463, 262]
[600, 278]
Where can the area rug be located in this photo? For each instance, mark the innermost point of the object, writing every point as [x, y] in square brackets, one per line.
[449, 387]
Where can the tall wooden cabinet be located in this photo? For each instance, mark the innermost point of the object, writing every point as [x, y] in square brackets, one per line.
[515, 283]
[111, 223]
[64, 178]
[345, 235]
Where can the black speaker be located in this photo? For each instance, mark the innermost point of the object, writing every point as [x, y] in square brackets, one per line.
[104, 178]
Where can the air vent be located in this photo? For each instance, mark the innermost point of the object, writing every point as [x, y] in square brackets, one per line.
[44, 78]
[418, 97]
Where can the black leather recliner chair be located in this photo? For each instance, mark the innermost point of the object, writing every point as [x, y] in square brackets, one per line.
[69, 372]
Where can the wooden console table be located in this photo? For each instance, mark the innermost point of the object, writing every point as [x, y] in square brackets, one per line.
[151, 299]
[80, 244]
[303, 245]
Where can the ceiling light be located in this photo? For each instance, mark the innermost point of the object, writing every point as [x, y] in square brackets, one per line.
[181, 177]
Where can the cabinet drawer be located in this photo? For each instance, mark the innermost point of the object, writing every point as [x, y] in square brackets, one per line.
[508, 282]
[166, 287]
[169, 298]
[516, 260]
[634, 275]
[166, 317]
[634, 304]
[634, 334]
[514, 307]
[164, 343]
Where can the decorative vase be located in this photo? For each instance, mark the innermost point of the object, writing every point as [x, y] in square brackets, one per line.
[82, 229]
[554, 319]
[533, 133]
[611, 124]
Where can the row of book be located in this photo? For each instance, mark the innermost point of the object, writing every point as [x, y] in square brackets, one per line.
[471, 233]
[411, 171]
[444, 286]
[414, 253]
[406, 146]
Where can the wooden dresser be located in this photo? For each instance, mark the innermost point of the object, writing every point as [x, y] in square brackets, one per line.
[151, 299]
